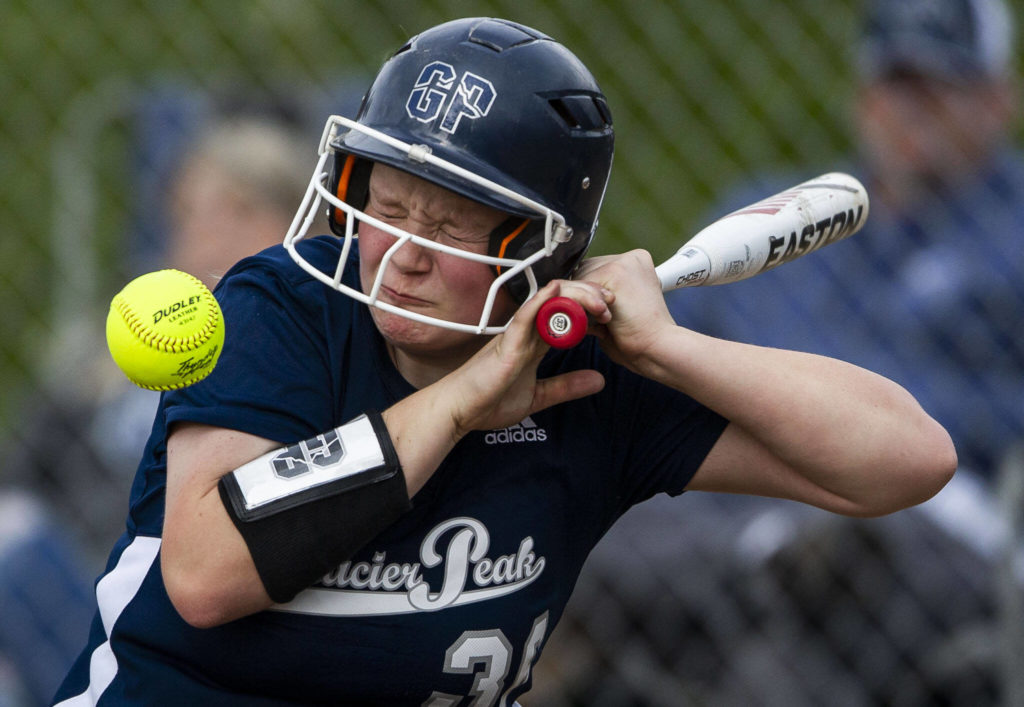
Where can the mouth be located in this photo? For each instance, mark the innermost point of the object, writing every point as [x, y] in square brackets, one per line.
[395, 297]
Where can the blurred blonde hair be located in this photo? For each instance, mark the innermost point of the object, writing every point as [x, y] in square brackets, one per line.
[265, 157]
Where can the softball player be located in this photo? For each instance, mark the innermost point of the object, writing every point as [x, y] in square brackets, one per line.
[385, 491]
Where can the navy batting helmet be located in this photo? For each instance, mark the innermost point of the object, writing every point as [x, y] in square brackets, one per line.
[499, 113]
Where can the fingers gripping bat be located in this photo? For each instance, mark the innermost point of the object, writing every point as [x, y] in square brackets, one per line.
[755, 238]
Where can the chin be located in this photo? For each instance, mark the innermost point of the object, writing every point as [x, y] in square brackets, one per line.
[418, 337]
[399, 330]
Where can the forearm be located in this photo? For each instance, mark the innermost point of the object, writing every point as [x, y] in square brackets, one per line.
[847, 431]
[237, 538]
[422, 432]
[208, 567]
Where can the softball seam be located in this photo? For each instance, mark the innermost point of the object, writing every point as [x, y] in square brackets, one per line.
[172, 344]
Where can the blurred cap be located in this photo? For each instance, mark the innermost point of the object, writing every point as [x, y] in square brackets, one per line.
[954, 40]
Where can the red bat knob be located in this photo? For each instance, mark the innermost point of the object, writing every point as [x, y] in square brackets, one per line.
[562, 322]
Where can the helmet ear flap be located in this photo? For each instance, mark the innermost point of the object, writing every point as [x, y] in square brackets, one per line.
[513, 236]
[349, 181]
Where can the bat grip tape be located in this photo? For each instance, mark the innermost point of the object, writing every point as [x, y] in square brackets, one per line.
[306, 508]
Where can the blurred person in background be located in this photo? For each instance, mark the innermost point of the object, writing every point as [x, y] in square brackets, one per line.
[232, 192]
[234, 195]
[931, 293]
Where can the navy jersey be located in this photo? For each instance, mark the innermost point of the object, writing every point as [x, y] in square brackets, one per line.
[450, 604]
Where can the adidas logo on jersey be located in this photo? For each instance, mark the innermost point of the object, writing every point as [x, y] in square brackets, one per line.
[525, 431]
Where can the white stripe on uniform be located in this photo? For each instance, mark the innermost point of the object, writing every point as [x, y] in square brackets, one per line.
[113, 593]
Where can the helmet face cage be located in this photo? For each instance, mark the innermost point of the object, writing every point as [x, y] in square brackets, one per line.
[319, 191]
[542, 155]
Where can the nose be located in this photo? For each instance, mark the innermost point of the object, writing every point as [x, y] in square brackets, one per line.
[408, 257]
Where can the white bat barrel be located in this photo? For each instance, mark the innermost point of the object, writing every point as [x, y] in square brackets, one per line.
[770, 232]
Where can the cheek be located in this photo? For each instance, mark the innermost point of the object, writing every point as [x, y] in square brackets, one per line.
[467, 273]
[469, 283]
[373, 244]
[464, 278]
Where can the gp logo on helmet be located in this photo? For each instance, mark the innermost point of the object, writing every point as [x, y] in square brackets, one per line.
[436, 91]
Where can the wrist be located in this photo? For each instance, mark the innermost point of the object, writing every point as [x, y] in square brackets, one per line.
[422, 433]
[665, 350]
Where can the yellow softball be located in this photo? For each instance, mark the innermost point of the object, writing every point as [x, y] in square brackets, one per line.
[165, 330]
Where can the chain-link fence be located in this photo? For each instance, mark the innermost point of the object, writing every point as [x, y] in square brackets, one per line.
[705, 601]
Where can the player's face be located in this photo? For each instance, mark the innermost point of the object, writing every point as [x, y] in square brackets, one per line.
[429, 282]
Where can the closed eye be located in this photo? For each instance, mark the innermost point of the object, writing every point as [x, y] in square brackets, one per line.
[387, 214]
[475, 238]
[475, 242]
[388, 211]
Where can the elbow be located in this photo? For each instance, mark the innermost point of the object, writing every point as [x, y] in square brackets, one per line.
[208, 594]
[196, 605]
[934, 463]
[925, 466]
[208, 573]
[945, 463]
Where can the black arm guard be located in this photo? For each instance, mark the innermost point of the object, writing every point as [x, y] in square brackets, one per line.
[304, 509]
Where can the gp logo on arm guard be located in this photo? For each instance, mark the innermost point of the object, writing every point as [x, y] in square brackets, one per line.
[437, 92]
[321, 451]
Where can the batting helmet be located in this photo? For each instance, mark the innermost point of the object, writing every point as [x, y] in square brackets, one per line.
[499, 113]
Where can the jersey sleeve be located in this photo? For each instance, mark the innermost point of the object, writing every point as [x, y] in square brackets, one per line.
[273, 376]
[666, 436]
[644, 438]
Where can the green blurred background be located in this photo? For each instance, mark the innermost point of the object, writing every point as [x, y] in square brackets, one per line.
[702, 93]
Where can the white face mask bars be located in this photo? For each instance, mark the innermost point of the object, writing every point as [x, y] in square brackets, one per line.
[555, 232]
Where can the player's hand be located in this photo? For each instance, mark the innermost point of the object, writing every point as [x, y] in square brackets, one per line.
[498, 386]
[635, 314]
